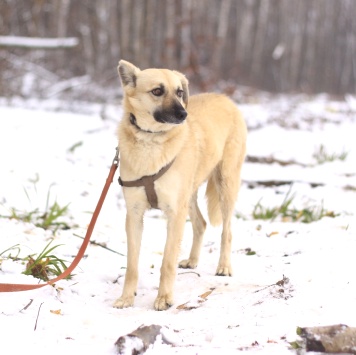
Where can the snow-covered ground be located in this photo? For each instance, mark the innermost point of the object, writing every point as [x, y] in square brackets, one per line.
[298, 274]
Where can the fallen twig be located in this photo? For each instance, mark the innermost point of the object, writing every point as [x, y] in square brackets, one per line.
[189, 272]
[278, 283]
[38, 314]
[93, 242]
[28, 305]
[272, 160]
[187, 306]
[272, 183]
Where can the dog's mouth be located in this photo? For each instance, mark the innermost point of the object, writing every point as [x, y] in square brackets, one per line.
[175, 115]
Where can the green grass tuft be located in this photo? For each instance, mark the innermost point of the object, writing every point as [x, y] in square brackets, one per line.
[51, 218]
[266, 213]
[45, 264]
[291, 214]
[322, 156]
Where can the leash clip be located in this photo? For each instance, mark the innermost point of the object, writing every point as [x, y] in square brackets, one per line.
[116, 158]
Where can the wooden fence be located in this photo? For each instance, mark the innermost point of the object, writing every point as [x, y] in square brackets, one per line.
[276, 45]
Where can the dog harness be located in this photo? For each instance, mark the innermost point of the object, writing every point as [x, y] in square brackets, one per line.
[148, 183]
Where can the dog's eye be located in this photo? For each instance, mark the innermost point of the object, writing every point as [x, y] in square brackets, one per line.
[157, 92]
[180, 93]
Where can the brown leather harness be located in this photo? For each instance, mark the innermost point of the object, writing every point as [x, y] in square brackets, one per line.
[148, 183]
[148, 180]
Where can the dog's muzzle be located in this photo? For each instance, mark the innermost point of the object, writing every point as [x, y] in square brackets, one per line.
[175, 115]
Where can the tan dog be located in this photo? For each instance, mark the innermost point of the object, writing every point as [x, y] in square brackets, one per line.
[205, 139]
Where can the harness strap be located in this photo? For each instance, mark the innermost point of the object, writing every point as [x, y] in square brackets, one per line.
[148, 183]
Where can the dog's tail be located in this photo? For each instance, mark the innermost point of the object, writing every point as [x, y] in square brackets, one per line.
[213, 201]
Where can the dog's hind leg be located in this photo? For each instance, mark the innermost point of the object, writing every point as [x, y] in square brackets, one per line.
[227, 178]
[134, 227]
[199, 226]
[227, 191]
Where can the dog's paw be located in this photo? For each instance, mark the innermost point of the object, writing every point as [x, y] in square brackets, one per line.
[162, 303]
[224, 270]
[124, 302]
[188, 264]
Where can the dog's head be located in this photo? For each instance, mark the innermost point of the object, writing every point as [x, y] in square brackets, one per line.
[156, 97]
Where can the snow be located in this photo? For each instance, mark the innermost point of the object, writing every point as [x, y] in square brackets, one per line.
[69, 154]
[38, 42]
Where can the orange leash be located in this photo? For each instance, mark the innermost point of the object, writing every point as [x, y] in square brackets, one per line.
[75, 262]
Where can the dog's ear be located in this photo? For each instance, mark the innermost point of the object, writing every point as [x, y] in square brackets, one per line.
[128, 73]
[185, 84]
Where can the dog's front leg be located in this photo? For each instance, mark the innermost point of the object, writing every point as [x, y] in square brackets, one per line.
[175, 229]
[134, 227]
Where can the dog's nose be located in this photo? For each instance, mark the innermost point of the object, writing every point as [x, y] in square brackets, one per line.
[181, 114]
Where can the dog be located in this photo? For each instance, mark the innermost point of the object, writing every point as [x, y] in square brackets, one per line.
[176, 143]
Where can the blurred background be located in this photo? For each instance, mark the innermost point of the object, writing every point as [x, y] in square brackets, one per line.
[273, 45]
